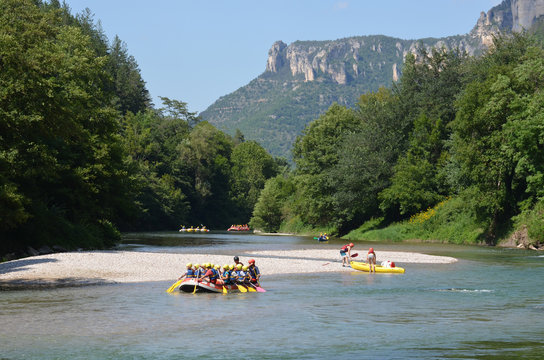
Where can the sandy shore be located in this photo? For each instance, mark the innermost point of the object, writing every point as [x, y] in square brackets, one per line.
[96, 267]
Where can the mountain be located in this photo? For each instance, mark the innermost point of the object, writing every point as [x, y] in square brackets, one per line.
[304, 78]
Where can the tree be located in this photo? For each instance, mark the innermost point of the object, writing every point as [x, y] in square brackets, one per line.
[271, 208]
[251, 167]
[496, 143]
[315, 154]
[60, 148]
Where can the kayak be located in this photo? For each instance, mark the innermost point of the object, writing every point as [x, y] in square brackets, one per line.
[188, 286]
[379, 269]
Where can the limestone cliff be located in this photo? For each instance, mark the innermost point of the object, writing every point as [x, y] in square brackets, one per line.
[304, 78]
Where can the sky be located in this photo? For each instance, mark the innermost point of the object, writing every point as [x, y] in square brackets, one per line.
[199, 50]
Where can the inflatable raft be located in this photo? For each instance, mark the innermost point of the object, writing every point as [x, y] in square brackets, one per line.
[188, 286]
[379, 269]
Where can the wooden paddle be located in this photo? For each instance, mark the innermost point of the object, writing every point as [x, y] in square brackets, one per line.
[173, 287]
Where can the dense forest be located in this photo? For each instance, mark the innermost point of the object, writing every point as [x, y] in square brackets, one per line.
[452, 152]
[84, 154]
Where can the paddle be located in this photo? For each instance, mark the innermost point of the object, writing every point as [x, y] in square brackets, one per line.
[176, 284]
[355, 255]
[251, 288]
[241, 288]
[259, 289]
[225, 290]
[196, 284]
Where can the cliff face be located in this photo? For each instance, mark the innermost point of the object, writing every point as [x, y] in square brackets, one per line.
[304, 78]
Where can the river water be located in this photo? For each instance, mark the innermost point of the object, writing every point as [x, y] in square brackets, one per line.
[488, 305]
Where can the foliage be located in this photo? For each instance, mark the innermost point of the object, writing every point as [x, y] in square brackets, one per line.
[60, 153]
[271, 209]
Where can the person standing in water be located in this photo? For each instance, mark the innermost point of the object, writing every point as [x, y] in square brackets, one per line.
[371, 259]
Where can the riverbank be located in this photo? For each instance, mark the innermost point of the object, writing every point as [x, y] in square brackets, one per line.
[103, 267]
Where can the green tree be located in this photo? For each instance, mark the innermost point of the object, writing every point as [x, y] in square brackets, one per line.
[496, 151]
[315, 154]
[272, 207]
[251, 167]
[59, 145]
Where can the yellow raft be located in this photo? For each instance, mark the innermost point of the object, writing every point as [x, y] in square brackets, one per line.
[379, 269]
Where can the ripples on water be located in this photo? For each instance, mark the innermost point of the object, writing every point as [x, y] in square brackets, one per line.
[490, 308]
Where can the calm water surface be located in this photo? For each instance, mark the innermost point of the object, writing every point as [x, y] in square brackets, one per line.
[489, 305]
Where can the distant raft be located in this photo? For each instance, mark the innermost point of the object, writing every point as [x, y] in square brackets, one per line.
[379, 269]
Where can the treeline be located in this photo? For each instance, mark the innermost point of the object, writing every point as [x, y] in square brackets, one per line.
[454, 151]
[83, 151]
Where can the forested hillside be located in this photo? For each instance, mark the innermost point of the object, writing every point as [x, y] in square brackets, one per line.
[453, 152]
[84, 154]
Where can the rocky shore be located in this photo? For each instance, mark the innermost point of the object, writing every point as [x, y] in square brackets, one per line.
[103, 267]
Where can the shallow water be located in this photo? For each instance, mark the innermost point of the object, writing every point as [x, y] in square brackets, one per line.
[489, 305]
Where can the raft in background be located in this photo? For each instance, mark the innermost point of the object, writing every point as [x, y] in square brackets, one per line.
[238, 228]
[379, 269]
[192, 229]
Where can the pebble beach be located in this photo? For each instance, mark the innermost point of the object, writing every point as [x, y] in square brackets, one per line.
[103, 267]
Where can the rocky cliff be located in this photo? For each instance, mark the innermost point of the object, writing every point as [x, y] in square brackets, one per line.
[303, 79]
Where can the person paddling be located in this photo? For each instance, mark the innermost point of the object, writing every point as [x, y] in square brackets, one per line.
[189, 274]
[371, 259]
[254, 273]
[345, 252]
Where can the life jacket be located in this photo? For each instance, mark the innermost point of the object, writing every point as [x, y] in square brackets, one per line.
[345, 248]
[199, 272]
[190, 274]
[214, 276]
[227, 275]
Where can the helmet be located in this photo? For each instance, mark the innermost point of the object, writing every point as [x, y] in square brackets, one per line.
[236, 258]
[217, 266]
[231, 267]
[226, 267]
[351, 245]
[197, 266]
[189, 265]
[239, 266]
[244, 268]
[251, 261]
[208, 265]
[371, 250]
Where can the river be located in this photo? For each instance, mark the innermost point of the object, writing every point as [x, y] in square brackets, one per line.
[488, 305]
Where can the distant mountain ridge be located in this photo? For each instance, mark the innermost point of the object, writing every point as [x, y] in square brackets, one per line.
[304, 78]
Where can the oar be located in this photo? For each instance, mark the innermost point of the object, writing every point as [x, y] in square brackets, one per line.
[225, 289]
[355, 255]
[196, 284]
[251, 288]
[241, 288]
[173, 287]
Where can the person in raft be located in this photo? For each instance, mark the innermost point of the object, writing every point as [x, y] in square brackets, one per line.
[254, 273]
[189, 274]
[371, 259]
[237, 261]
[210, 275]
[345, 252]
[227, 274]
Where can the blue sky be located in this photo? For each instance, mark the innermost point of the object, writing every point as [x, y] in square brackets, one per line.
[198, 50]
